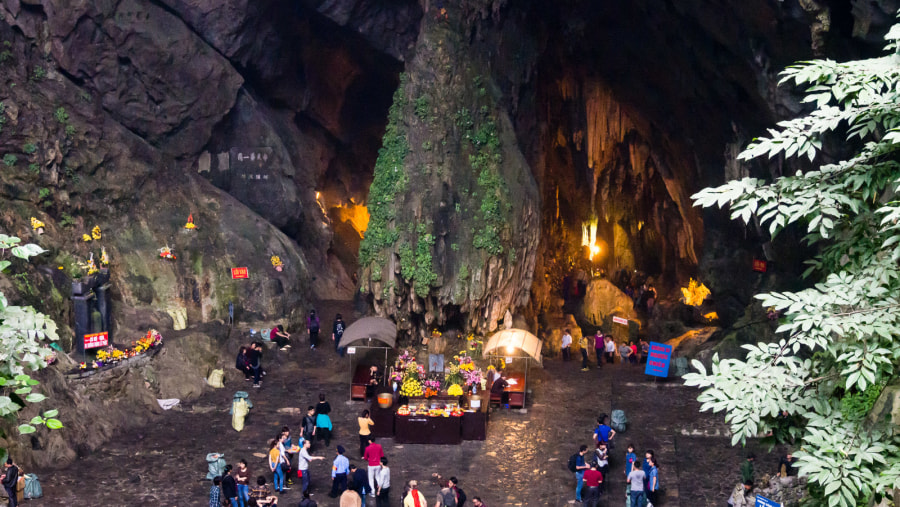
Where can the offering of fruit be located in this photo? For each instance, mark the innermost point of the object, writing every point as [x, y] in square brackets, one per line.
[403, 410]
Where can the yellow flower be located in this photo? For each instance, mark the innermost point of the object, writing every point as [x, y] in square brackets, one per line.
[36, 224]
[104, 258]
[455, 390]
[276, 261]
[95, 232]
[85, 238]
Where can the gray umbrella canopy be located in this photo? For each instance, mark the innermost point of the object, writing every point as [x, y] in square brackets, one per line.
[370, 328]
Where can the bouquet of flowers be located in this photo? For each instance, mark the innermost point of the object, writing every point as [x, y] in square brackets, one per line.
[455, 390]
[167, 253]
[473, 377]
[37, 225]
[190, 222]
[432, 387]
[411, 387]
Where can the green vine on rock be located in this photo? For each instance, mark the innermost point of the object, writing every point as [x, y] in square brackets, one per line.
[495, 207]
[390, 180]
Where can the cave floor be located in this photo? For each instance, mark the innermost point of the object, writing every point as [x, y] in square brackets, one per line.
[522, 462]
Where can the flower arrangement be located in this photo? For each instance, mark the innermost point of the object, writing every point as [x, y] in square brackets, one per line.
[95, 232]
[190, 222]
[85, 237]
[90, 266]
[474, 377]
[37, 225]
[112, 355]
[411, 387]
[166, 253]
[455, 390]
[104, 258]
[276, 263]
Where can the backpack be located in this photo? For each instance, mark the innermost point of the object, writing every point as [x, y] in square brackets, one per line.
[573, 462]
[460, 497]
[313, 324]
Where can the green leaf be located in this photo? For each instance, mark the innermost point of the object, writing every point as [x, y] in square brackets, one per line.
[54, 424]
[25, 429]
[35, 398]
[51, 413]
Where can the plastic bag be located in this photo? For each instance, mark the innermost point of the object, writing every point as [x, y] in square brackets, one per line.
[619, 421]
[216, 378]
[215, 465]
[33, 487]
[239, 409]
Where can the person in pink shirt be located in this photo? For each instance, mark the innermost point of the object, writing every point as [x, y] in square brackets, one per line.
[373, 455]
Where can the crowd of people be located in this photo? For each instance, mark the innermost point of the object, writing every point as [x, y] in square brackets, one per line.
[591, 468]
[605, 349]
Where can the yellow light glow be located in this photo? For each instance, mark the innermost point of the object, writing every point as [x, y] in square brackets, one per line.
[509, 349]
[318, 195]
[356, 215]
[711, 316]
[694, 293]
[589, 237]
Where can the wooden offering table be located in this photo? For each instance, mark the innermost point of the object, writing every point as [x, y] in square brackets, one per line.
[424, 429]
[516, 389]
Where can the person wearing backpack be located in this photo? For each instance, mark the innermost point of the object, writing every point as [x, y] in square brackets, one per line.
[312, 327]
[578, 465]
[337, 332]
[9, 479]
[446, 496]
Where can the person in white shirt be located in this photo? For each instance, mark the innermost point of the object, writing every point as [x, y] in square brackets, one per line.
[383, 485]
[610, 350]
[565, 345]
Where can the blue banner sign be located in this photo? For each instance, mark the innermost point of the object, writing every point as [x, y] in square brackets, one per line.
[762, 501]
[658, 361]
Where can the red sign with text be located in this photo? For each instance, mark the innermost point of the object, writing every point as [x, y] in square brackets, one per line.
[759, 266]
[239, 273]
[96, 340]
[620, 320]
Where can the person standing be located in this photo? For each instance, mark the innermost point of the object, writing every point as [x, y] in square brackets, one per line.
[476, 501]
[254, 360]
[446, 497]
[242, 363]
[339, 470]
[275, 460]
[215, 492]
[414, 498]
[323, 407]
[312, 327]
[645, 466]
[610, 350]
[652, 483]
[383, 485]
[303, 459]
[308, 425]
[584, 355]
[604, 433]
[359, 483]
[337, 332]
[633, 353]
[580, 467]
[373, 455]
[592, 480]
[323, 428]
[630, 459]
[242, 477]
[645, 350]
[365, 431]
[599, 346]
[566, 346]
[9, 480]
[636, 478]
[460, 494]
[229, 486]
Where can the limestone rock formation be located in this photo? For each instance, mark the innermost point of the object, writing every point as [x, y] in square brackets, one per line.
[603, 301]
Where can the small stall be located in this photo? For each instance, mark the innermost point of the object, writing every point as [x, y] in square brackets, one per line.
[364, 340]
[434, 420]
[510, 345]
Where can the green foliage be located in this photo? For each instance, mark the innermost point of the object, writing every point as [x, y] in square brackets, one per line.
[463, 272]
[5, 56]
[34, 168]
[424, 275]
[422, 107]
[67, 220]
[38, 73]
[43, 193]
[389, 181]
[70, 130]
[10, 160]
[61, 115]
[841, 335]
[407, 262]
[21, 330]
[29, 148]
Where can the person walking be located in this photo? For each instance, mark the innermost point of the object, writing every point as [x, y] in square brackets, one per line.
[229, 486]
[323, 428]
[636, 479]
[373, 456]
[339, 470]
[308, 425]
[566, 346]
[242, 477]
[359, 482]
[365, 430]
[383, 485]
[303, 460]
[9, 480]
[580, 467]
[584, 355]
[312, 327]
[337, 332]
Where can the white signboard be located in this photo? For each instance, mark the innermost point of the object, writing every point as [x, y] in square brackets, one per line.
[351, 350]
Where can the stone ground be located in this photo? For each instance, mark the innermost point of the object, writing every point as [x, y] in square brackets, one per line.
[522, 462]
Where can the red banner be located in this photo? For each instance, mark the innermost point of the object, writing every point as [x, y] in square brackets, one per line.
[759, 266]
[239, 273]
[620, 320]
[96, 340]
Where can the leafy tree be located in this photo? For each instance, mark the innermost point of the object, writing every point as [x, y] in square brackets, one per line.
[817, 385]
[21, 330]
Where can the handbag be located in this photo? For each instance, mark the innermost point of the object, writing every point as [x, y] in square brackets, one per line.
[285, 467]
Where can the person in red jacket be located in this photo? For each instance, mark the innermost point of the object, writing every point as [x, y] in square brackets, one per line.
[592, 480]
[373, 454]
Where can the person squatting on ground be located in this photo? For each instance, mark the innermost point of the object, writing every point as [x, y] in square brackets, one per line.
[281, 337]
[261, 493]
